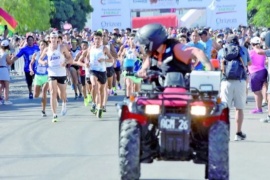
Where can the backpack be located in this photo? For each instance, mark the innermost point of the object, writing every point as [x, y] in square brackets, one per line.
[234, 68]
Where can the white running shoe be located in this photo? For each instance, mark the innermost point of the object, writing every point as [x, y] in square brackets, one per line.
[7, 103]
[64, 110]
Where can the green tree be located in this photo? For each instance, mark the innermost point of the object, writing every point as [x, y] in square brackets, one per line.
[31, 15]
[73, 11]
[258, 12]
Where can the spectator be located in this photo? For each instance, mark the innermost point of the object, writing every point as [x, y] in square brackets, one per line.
[258, 74]
[234, 90]
[5, 60]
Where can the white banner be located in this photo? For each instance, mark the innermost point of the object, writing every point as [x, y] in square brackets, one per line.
[165, 4]
[227, 13]
[110, 14]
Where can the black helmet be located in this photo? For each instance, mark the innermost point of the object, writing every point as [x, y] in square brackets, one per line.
[152, 36]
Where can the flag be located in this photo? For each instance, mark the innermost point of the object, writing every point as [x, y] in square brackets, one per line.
[7, 19]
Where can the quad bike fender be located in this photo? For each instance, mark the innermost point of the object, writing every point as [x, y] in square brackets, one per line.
[219, 113]
[128, 111]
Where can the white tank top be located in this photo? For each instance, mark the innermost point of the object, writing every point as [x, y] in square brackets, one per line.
[95, 55]
[55, 60]
[108, 64]
[74, 53]
[3, 58]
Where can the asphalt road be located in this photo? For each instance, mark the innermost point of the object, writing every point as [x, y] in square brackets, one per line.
[82, 147]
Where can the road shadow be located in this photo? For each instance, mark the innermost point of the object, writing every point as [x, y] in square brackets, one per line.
[251, 141]
[170, 179]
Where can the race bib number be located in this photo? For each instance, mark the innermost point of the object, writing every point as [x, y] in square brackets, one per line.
[41, 69]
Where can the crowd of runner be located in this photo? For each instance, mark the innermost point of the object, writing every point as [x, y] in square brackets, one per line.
[93, 62]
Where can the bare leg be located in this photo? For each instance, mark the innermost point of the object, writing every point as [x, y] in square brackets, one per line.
[239, 117]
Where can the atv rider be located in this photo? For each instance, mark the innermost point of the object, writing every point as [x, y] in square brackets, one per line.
[159, 47]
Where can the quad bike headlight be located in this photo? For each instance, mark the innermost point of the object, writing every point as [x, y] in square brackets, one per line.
[152, 109]
[198, 110]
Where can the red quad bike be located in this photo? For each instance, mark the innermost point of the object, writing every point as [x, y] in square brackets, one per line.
[173, 123]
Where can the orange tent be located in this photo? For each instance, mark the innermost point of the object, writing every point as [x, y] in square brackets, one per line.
[166, 20]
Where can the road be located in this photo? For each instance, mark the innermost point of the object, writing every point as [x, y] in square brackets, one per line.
[81, 146]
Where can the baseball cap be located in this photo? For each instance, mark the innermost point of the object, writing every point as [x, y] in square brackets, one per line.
[54, 34]
[255, 40]
[5, 43]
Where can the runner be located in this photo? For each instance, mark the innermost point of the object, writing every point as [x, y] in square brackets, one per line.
[97, 58]
[84, 73]
[41, 77]
[74, 70]
[130, 57]
[58, 57]
[109, 69]
[27, 52]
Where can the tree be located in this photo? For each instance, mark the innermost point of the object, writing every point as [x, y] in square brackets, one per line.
[31, 15]
[258, 12]
[73, 11]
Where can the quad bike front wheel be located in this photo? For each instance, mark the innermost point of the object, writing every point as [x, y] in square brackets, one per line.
[218, 151]
[129, 150]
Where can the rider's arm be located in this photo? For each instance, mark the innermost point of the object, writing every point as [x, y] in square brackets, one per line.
[185, 54]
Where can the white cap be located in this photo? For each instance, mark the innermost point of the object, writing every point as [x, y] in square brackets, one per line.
[5, 43]
[255, 40]
[263, 34]
[54, 34]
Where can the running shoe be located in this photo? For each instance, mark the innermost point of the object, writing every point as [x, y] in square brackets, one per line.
[76, 96]
[30, 95]
[257, 111]
[240, 136]
[112, 92]
[43, 114]
[264, 104]
[99, 113]
[89, 98]
[64, 110]
[80, 95]
[104, 109]
[86, 102]
[7, 102]
[55, 118]
[265, 120]
[93, 108]
[119, 86]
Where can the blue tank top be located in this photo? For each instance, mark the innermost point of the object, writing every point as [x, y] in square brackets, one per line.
[38, 68]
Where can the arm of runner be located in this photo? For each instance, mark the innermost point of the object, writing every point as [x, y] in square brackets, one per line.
[185, 54]
[107, 52]
[121, 56]
[81, 57]
[67, 54]
[122, 48]
[42, 56]
[32, 63]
